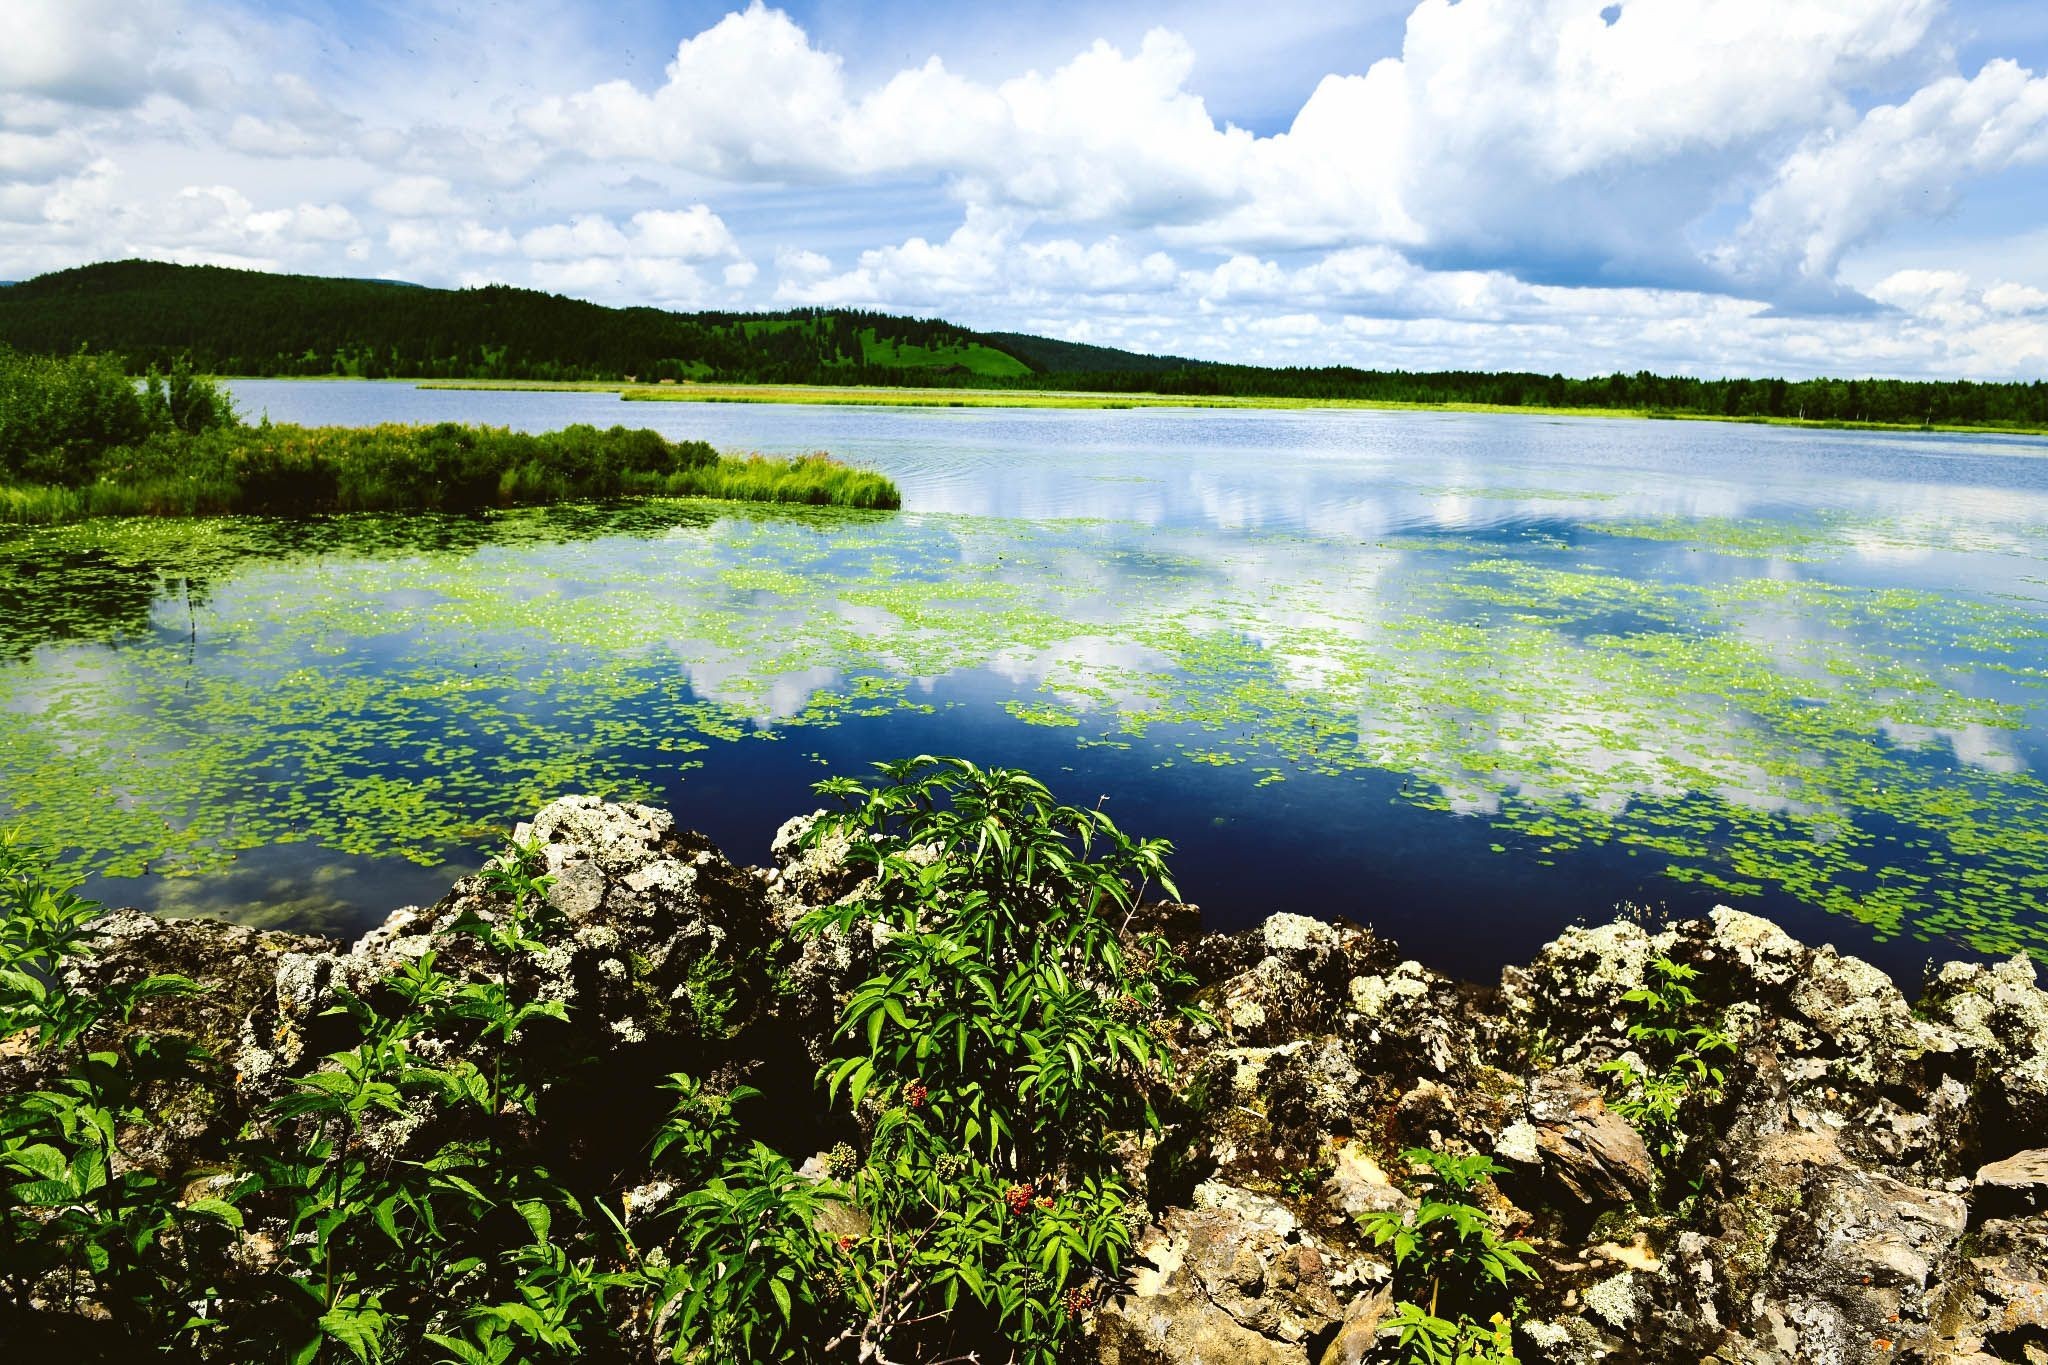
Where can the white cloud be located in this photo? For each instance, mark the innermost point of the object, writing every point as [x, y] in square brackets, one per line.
[415, 196]
[691, 234]
[752, 99]
[1550, 138]
[92, 52]
[1680, 184]
[1898, 160]
[589, 234]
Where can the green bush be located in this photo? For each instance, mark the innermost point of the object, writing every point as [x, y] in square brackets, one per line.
[1008, 1032]
[1676, 1081]
[1453, 1270]
[78, 438]
[398, 1202]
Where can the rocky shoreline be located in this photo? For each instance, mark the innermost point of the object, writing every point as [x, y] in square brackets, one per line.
[1866, 1179]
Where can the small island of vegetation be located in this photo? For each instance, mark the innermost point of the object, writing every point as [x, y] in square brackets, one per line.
[79, 438]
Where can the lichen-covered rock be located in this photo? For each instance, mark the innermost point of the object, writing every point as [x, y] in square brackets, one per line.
[1866, 1182]
[1568, 1000]
[1233, 1278]
[2001, 1308]
[1288, 978]
[235, 969]
[1587, 1150]
[1998, 1017]
[812, 871]
[2014, 1187]
[1859, 1266]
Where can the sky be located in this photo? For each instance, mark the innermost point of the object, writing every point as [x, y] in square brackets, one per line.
[1791, 187]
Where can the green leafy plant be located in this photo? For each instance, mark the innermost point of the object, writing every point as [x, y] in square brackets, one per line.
[1453, 1270]
[81, 1221]
[1009, 1028]
[1678, 1078]
[396, 1201]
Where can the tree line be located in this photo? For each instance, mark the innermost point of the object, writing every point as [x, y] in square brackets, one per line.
[244, 322]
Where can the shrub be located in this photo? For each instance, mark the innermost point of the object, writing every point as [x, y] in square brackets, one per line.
[396, 1203]
[78, 438]
[1677, 1080]
[1453, 1270]
[1009, 1029]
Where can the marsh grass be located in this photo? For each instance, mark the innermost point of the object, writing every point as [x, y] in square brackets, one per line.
[79, 439]
[299, 470]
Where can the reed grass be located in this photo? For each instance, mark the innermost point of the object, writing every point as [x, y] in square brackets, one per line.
[293, 470]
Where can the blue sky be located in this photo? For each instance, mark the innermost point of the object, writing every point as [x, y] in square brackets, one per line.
[1708, 186]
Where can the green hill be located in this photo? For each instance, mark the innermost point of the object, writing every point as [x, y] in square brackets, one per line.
[251, 323]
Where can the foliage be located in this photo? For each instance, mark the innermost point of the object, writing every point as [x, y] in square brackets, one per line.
[1678, 1080]
[77, 1221]
[1009, 1028]
[400, 1198]
[255, 323]
[77, 439]
[1452, 1249]
[59, 415]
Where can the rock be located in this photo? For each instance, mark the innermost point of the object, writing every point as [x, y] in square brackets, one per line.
[2015, 1186]
[657, 941]
[1285, 979]
[1859, 1263]
[1410, 1017]
[1869, 1182]
[1570, 997]
[1998, 1016]
[1312, 1093]
[1359, 1331]
[1358, 1187]
[2004, 1311]
[812, 872]
[1588, 1150]
[235, 969]
[1234, 1278]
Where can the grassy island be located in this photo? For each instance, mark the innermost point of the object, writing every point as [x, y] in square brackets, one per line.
[79, 439]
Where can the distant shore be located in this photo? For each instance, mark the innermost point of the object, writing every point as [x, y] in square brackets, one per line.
[913, 397]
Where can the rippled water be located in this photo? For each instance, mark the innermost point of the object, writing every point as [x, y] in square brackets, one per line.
[1466, 677]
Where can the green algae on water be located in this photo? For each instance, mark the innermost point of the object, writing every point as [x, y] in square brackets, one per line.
[174, 695]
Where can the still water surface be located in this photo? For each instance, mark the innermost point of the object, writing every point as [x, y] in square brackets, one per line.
[1468, 678]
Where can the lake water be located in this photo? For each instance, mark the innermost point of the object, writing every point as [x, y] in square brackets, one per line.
[1467, 678]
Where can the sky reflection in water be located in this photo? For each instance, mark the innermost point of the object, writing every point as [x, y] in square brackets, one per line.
[1468, 678]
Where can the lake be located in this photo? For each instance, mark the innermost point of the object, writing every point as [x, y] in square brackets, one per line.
[1466, 678]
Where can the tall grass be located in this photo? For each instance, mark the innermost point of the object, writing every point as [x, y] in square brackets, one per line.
[816, 479]
[78, 439]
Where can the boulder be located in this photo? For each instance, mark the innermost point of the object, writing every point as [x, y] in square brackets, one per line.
[2013, 1187]
[1589, 1152]
[1236, 1278]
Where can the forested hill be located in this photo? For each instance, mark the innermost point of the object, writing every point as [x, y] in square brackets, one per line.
[250, 323]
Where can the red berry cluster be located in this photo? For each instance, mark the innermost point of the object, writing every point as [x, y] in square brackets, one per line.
[1080, 1299]
[914, 1094]
[1018, 1197]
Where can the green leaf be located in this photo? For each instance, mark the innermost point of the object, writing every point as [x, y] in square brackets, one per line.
[218, 1209]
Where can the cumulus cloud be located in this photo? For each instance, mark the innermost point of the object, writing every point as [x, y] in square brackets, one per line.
[1837, 190]
[752, 99]
[653, 258]
[1562, 140]
[1567, 184]
[415, 196]
[92, 52]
